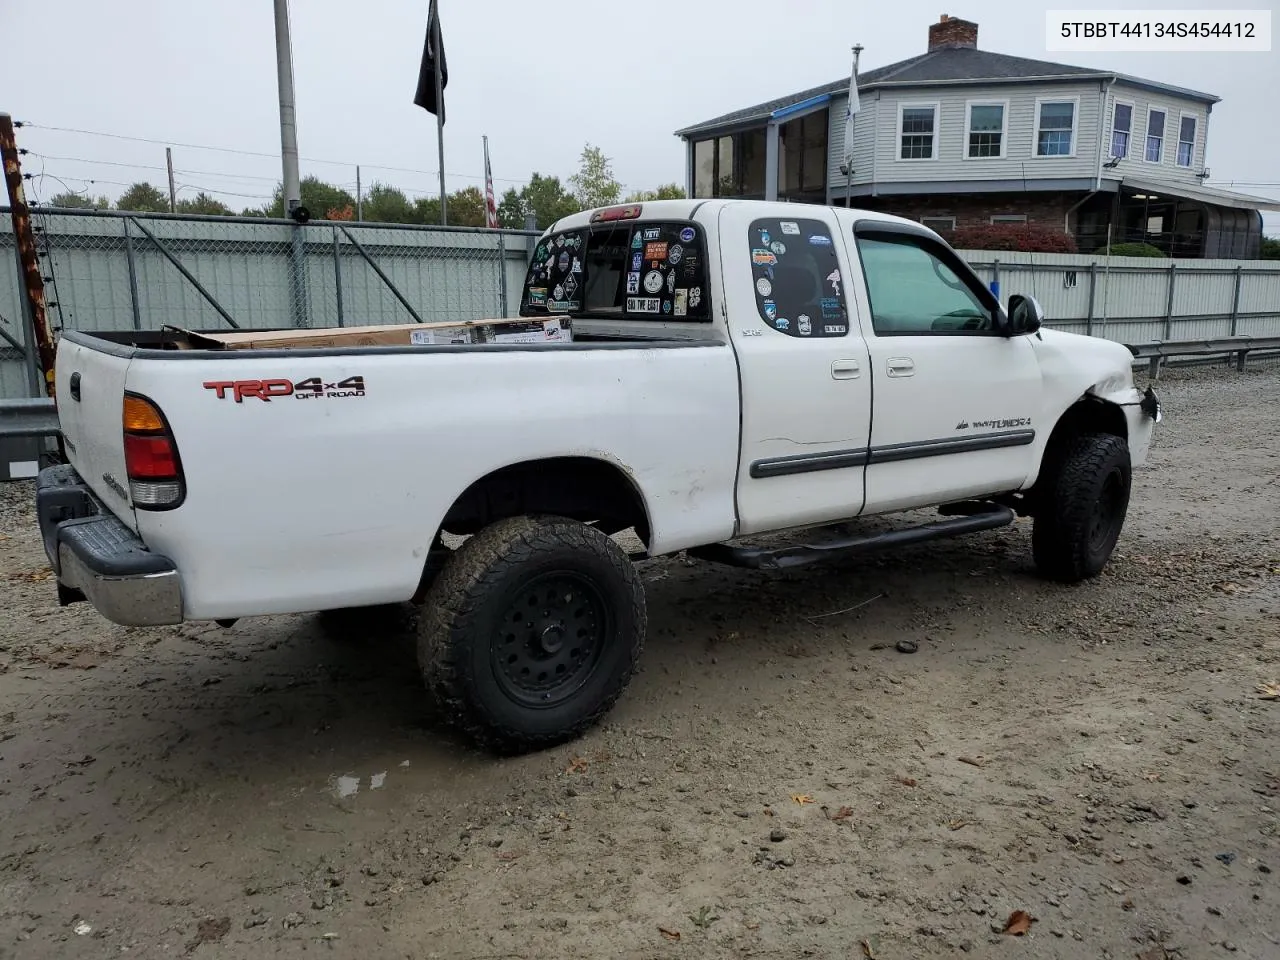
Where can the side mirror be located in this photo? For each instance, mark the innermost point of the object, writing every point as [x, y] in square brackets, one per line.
[1025, 315]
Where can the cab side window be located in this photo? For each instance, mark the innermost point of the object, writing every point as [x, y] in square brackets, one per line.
[913, 292]
[798, 287]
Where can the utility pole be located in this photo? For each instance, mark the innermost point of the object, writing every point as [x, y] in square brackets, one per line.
[173, 194]
[435, 29]
[288, 121]
[33, 282]
[359, 196]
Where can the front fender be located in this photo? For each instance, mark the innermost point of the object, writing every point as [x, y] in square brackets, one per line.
[1078, 371]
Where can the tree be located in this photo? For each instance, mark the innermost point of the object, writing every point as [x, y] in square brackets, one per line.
[1270, 248]
[386, 204]
[594, 184]
[668, 191]
[317, 196]
[426, 210]
[77, 201]
[547, 199]
[512, 210]
[144, 198]
[466, 208]
[205, 204]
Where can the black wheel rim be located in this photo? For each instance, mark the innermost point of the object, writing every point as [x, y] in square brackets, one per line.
[1108, 513]
[550, 637]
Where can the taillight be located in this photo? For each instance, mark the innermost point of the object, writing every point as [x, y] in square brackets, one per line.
[151, 456]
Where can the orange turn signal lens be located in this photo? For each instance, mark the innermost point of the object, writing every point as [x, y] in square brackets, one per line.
[141, 416]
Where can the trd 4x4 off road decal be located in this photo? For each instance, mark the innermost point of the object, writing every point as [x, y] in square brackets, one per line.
[313, 388]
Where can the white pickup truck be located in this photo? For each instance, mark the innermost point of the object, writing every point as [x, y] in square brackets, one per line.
[737, 368]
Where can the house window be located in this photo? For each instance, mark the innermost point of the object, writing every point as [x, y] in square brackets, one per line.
[704, 168]
[1057, 124]
[1121, 128]
[1009, 218]
[1186, 141]
[986, 130]
[939, 224]
[729, 166]
[917, 125]
[802, 154]
[1155, 135]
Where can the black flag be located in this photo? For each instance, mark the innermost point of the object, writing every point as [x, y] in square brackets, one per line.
[432, 60]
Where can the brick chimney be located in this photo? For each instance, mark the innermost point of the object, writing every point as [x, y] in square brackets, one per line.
[950, 33]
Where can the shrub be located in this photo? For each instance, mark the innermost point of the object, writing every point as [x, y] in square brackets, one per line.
[1133, 250]
[1025, 237]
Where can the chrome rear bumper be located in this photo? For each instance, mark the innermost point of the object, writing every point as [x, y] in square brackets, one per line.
[97, 558]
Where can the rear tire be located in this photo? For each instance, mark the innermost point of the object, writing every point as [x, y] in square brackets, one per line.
[531, 632]
[1082, 508]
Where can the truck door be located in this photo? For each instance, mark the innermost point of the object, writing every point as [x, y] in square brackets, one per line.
[806, 391]
[957, 402]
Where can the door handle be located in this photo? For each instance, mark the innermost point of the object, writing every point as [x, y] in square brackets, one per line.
[901, 367]
[75, 386]
[845, 370]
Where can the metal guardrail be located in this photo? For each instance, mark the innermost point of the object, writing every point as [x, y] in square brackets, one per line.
[28, 417]
[1158, 351]
[37, 417]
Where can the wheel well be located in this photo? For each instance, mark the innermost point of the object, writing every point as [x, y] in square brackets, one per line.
[581, 488]
[1089, 414]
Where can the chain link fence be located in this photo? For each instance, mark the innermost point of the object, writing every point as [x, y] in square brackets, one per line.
[108, 270]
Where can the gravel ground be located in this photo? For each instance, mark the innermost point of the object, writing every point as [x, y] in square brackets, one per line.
[778, 781]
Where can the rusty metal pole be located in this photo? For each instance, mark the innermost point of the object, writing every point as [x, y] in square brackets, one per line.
[31, 278]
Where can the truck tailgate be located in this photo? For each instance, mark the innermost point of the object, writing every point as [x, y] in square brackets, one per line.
[90, 387]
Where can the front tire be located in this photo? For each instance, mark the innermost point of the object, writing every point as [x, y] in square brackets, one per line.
[531, 632]
[1082, 508]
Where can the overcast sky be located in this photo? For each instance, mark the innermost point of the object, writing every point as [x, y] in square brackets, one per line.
[539, 79]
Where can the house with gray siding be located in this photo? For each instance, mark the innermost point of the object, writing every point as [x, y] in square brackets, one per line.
[959, 136]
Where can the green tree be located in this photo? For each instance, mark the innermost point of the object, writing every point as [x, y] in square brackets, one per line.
[1271, 248]
[547, 199]
[144, 198]
[317, 196]
[386, 204]
[594, 184]
[512, 209]
[204, 204]
[426, 210]
[78, 201]
[668, 191]
[466, 208]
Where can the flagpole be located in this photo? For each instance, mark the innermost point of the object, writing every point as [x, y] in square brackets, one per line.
[502, 246]
[439, 60]
[848, 181]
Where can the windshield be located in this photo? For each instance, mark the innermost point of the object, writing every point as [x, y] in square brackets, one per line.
[653, 271]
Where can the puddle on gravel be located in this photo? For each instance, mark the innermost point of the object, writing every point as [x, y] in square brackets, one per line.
[348, 785]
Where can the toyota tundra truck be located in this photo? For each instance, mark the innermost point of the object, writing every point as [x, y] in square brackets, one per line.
[737, 368]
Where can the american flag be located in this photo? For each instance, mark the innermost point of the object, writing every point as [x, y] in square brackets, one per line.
[490, 205]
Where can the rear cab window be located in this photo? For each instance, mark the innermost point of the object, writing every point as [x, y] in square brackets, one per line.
[638, 270]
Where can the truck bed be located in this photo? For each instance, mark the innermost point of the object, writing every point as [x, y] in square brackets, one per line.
[335, 501]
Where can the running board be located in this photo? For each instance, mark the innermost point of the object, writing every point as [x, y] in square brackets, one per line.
[992, 515]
